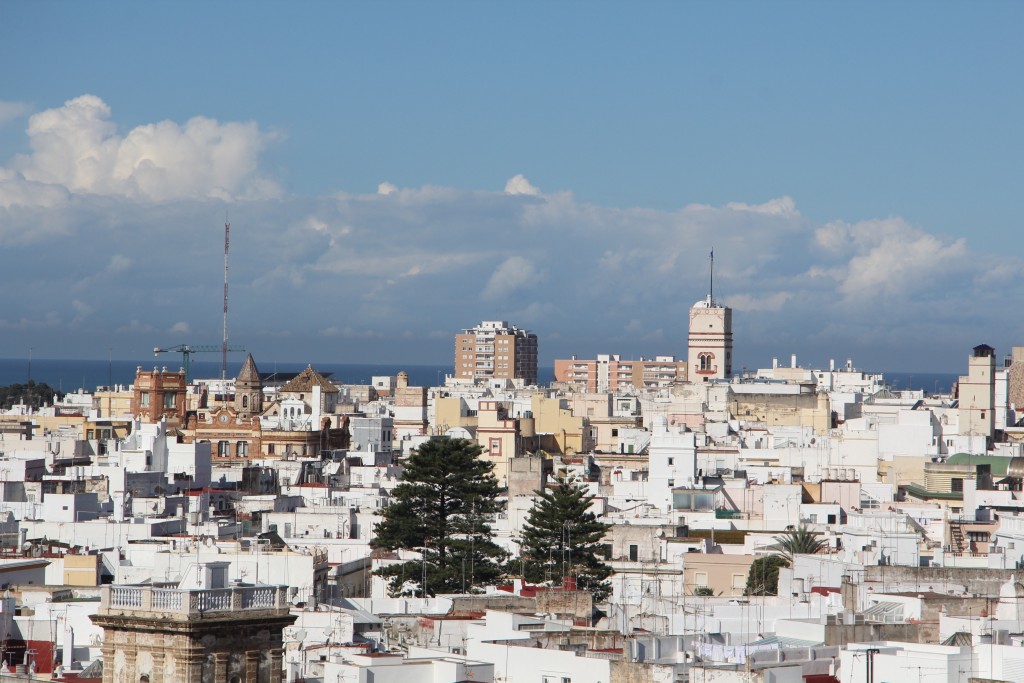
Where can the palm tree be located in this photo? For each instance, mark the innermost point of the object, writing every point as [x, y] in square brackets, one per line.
[799, 541]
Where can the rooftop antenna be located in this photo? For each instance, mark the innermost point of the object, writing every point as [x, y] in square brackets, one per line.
[224, 345]
[711, 291]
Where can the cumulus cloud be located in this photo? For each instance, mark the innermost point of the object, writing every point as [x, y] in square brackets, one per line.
[890, 257]
[180, 327]
[518, 184]
[394, 273]
[513, 274]
[9, 111]
[76, 149]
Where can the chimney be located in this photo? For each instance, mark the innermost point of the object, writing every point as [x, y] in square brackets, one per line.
[792, 361]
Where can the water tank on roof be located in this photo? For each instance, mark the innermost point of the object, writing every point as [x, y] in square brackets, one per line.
[1015, 469]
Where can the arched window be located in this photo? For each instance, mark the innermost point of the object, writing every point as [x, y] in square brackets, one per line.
[245, 401]
[705, 360]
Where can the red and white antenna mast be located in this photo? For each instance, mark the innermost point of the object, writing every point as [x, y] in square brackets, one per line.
[224, 346]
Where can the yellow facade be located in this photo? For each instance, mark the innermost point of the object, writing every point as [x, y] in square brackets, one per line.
[569, 433]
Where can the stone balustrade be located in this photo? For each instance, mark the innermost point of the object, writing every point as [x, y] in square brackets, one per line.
[177, 603]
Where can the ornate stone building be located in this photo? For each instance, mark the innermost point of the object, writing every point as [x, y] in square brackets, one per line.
[299, 423]
[205, 635]
[159, 394]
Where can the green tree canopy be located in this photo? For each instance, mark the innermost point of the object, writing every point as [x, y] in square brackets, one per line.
[562, 536]
[763, 578]
[33, 393]
[441, 508]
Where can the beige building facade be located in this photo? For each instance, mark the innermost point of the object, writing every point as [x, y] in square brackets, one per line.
[496, 350]
[710, 341]
[608, 372]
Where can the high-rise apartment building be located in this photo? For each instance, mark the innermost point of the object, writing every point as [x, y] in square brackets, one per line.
[496, 350]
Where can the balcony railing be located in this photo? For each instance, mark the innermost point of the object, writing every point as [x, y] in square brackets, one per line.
[176, 603]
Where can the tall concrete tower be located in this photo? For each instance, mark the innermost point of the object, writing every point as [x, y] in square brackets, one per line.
[710, 343]
[977, 394]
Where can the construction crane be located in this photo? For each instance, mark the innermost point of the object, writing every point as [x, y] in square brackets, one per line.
[186, 351]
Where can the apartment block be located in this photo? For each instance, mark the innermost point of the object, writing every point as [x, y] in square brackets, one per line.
[496, 350]
[608, 372]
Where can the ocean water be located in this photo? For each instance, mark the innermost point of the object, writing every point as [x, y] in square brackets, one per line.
[69, 375]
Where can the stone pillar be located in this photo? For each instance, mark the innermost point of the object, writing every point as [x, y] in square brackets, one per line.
[130, 672]
[108, 659]
[221, 670]
[192, 663]
[157, 675]
[252, 666]
[276, 665]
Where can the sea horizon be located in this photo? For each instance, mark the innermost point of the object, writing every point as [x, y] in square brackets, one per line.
[69, 375]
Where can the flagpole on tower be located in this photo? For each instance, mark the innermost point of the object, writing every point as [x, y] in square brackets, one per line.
[711, 291]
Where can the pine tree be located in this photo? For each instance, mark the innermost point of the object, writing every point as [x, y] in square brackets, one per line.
[562, 536]
[763, 578]
[441, 508]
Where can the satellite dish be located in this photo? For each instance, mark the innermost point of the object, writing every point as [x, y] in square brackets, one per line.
[300, 634]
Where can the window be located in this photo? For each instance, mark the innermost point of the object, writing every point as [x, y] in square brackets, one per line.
[634, 553]
[704, 361]
[223, 448]
[671, 461]
[242, 448]
[739, 582]
[495, 448]
[168, 401]
[144, 399]
[700, 579]
[270, 449]
[245, 401]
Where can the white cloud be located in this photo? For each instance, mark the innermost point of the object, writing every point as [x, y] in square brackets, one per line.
[369, 269]
[10, 111]
[890, 257]
[513, 274]
[180, 327]
[783, 206]
[76, 148]
[518, 184]
[82, 311]
[766, 302]
[386, 188]
[119, 263]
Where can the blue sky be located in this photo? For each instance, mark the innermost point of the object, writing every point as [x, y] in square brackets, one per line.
[855, 165]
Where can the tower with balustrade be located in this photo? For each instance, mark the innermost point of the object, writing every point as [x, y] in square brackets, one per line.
[197, 631]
